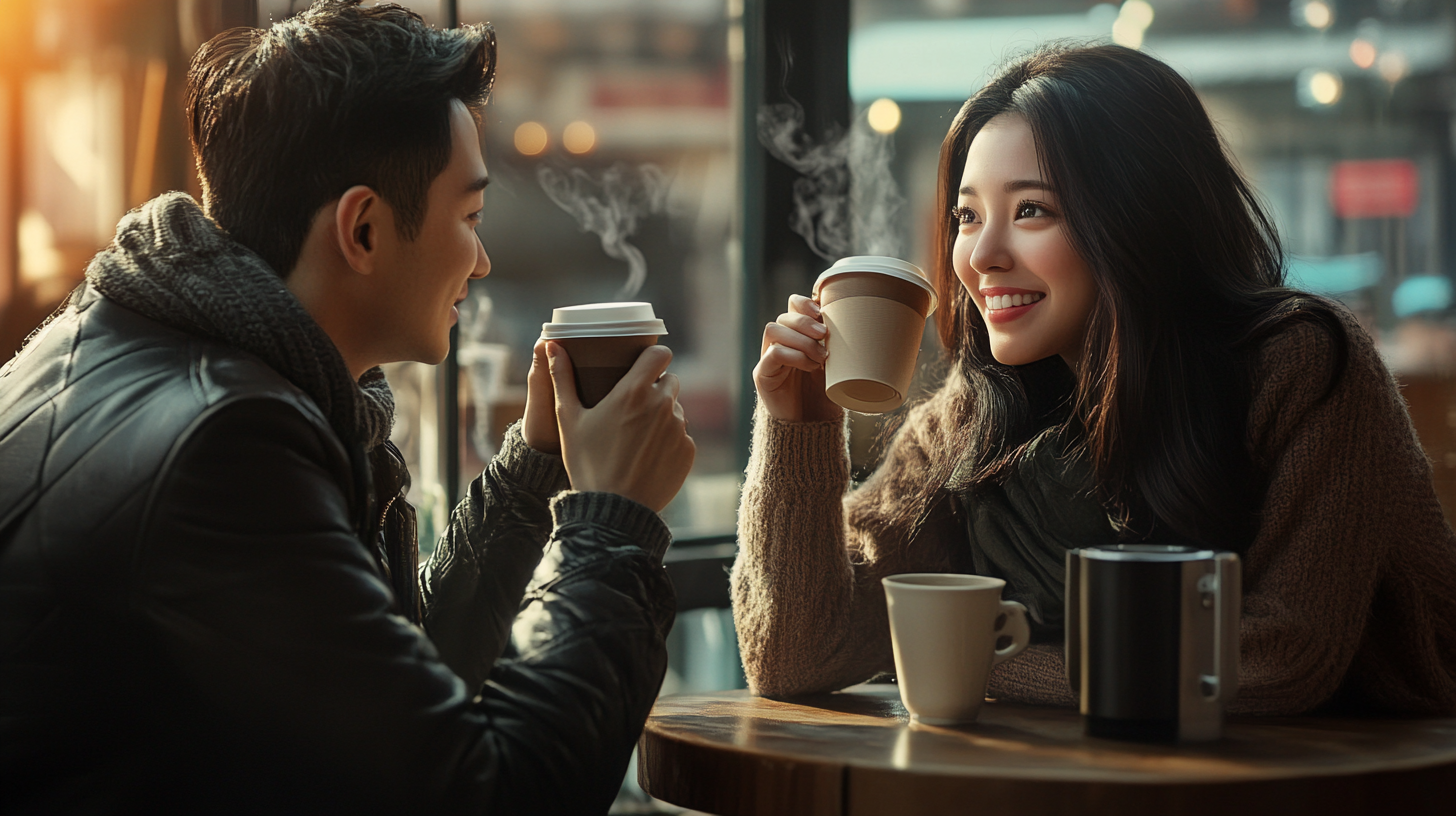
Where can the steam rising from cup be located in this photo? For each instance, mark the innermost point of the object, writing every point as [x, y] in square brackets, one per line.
[611, 208]
[847, 200]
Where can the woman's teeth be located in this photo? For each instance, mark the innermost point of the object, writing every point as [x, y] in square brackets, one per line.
[1007, 301]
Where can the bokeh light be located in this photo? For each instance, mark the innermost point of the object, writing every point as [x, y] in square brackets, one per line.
[1362, 53]
[1132, 23]
[531, 139]
[884, 116]
[579, 138]
[1325, 87]
[1393, 66]
[1318, 14]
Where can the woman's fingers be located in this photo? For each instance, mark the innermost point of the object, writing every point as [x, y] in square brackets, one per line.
[782, 335]
[804, 306]
[803, 317]
[777, 334]
[804, 324]
[779, 360]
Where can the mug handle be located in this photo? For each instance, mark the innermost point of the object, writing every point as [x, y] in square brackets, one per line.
[1013, 625]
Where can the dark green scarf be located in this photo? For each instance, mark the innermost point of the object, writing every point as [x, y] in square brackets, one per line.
[1020, 530]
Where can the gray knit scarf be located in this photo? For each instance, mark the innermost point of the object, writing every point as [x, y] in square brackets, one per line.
[173, 264]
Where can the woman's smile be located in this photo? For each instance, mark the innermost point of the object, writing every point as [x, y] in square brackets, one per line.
[1004, 304]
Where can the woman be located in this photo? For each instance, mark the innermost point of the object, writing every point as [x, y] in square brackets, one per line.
[1126, 365]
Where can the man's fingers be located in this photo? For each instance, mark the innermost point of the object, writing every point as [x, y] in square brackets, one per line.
[650, 366]
[563, 378]
[540, 366]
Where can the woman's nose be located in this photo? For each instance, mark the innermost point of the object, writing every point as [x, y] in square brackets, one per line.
[991, 253]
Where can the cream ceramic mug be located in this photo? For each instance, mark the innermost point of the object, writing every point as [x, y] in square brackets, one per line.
[947, 632]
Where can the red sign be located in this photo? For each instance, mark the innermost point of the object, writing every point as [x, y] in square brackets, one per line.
[1384, 188]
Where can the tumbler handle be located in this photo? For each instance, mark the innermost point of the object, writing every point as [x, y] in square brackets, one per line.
[1230, 607]
[1072, 622]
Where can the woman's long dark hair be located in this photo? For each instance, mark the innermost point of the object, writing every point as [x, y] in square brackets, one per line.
[1189, 277]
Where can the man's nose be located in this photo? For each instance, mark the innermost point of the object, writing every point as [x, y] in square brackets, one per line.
[482, 260]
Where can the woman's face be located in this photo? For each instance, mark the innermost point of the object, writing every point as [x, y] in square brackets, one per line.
[1012, 254]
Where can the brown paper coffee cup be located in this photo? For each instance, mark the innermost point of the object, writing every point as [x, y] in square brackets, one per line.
[875, 322]
[603, 340]
[601, 362]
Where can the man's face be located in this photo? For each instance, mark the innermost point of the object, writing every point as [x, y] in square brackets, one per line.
[429, 276]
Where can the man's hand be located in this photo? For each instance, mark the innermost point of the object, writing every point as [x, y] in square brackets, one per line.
[634, 442]
[539, 424]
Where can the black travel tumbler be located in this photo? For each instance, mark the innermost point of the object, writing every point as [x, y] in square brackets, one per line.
[1152, 640]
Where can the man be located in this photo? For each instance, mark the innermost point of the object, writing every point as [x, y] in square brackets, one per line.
[208, 583]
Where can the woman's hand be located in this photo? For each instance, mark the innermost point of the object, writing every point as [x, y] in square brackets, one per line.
[790, 371]
[538, 426]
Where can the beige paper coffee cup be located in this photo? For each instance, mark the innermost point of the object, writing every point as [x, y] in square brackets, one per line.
[603, 340]
[947, 631]
[874, 309]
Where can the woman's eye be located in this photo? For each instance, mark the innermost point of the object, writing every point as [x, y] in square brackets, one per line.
[963, 215]
[1030, 209]
[475, 216]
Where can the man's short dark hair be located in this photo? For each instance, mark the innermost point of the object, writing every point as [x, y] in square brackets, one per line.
[285, 119]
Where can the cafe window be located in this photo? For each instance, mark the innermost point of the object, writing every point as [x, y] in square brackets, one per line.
[610, 145]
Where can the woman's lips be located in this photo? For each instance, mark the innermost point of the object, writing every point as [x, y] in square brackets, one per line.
[1005, 308]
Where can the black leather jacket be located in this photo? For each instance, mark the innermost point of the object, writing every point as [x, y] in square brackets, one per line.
[191, 619]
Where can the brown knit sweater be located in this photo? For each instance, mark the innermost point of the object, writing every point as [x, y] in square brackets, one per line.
[1349, 585]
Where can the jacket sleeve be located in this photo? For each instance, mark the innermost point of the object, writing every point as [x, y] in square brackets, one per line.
[275, 621]
[475, 579]
[807, 600]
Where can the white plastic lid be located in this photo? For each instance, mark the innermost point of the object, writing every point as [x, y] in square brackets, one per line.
[602, 320]
[884, 265]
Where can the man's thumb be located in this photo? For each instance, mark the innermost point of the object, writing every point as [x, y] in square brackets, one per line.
[563, 378]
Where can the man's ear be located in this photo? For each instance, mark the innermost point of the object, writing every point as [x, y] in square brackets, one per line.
[358, 221]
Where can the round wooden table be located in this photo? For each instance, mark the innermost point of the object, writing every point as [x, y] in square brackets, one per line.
[856, 752]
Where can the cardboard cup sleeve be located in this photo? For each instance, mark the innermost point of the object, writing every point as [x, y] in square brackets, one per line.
[873, 343]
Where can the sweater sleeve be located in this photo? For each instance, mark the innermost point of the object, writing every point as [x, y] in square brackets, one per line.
[807, 600]
[1348, 483]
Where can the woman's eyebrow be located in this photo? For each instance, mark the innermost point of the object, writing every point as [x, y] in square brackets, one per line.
[1013, 186]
